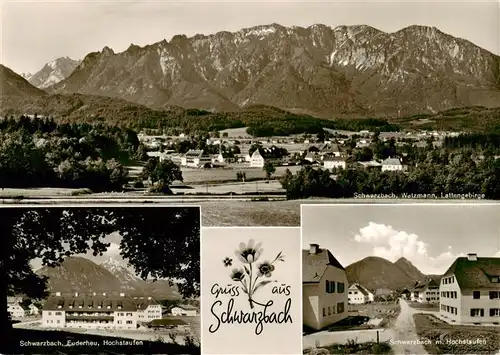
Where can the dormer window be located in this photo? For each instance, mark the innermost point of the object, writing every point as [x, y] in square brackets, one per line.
[495, 279]
[59, 306]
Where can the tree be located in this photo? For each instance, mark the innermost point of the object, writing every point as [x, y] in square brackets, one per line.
[269, 169]
[163, 172]
[157, 243]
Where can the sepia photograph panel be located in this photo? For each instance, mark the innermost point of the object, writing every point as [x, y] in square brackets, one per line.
[252, 294]
[274, 105]
[401, 279]
[100, 279]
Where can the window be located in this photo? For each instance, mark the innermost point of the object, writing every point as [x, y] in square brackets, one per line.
[476, 295]
[58, 321]
[119, 322]
[340, 287]
[333, 309]
[129, 314]
[493, 295]
[329, 310]
[477, 312]
[495, 279]
[58, 313]
[324, 313]
[129, 322]
[50, 313]
[340, 307]
[494, 312]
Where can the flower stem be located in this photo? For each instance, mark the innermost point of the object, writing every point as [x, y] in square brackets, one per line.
[251, 302]
[250, 286]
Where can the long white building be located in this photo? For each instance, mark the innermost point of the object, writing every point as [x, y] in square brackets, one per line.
[98, 310]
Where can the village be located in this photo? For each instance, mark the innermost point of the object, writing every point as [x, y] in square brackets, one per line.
[233, 162]
[461, 311]
[110, 314]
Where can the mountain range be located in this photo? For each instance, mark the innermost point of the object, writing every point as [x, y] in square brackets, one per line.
[324, 71]
[52, 72]
[78, 274]
[375, 272]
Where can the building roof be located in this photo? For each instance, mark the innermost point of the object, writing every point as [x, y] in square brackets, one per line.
[360, 288]
[89, 302]
[427, 284]
[256, 154]
[475, 274]
[331, 158]
[143, 303]
[186, 307]
[315, 265]
[391, 161]
[371, 163]
[194, 153]
[167, 321]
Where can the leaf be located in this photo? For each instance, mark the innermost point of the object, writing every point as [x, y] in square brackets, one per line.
[262, 284]
[246, 270]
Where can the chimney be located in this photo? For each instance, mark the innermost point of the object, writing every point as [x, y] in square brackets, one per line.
[76, 294]
[122, 294]
[313, 248]
[58, 293]
[93, 293]
[149, 298]
[472, 257]
[104, 293]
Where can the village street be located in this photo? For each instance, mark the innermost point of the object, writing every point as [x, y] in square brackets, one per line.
[402, 335]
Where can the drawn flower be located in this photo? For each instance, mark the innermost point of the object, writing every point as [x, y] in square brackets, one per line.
[265, 269]
[249, 253]
[227, 262]
[237, 275]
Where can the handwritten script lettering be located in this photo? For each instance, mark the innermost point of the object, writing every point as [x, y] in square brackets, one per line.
[264, 316]
[230, 290]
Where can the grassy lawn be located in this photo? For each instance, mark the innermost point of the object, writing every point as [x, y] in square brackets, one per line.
[425, 306]
[229, 174]
[445, 337]
[351, 347]
[23, 340]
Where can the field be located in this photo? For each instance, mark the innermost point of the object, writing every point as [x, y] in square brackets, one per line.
[272, 186]
[236, 132]
[352, 347]
[445, 338]
[196, 176]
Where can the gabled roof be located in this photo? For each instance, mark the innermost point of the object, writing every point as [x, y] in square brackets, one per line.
[391, 161]
[88, 302]
[332, 147]
[428, 284]
[330, 158]
[256, 153]
[360, 288]
[315, 265]
[143, 303]
[186, 307]
[194, 153]
[475, 274]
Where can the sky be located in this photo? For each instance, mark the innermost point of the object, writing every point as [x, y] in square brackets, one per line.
[36, 32]
[431, 237]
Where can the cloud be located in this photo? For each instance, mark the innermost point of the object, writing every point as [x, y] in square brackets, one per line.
[113, 250]
[392, 244]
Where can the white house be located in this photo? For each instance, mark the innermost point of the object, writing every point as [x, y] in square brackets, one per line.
[470, 291]
[324, 283]
[257, 160]
[95, 311]
[148, 309]
[184, 310]
[334, 162]
[427, 292]
[392, 164]
[195, 159]
[358, 294]
[16, 310]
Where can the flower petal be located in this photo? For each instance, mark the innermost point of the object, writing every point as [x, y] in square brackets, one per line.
[242, 247]
[250, 258]
[258, 246]
[241, 258]
[251, 244]
[268, 274]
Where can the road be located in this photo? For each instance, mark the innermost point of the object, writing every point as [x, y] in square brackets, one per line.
[404, 334]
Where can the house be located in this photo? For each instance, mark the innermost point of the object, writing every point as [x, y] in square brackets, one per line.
[427, 292]
[17, 309]
[184, 310]
[358, 294]
[334, 162]
[257, 160]
[372, 164]
[148, 309]
[331, 149]
[392, 164]
[470, 291]
[195, 159]
[93, 311]
[324, 283]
